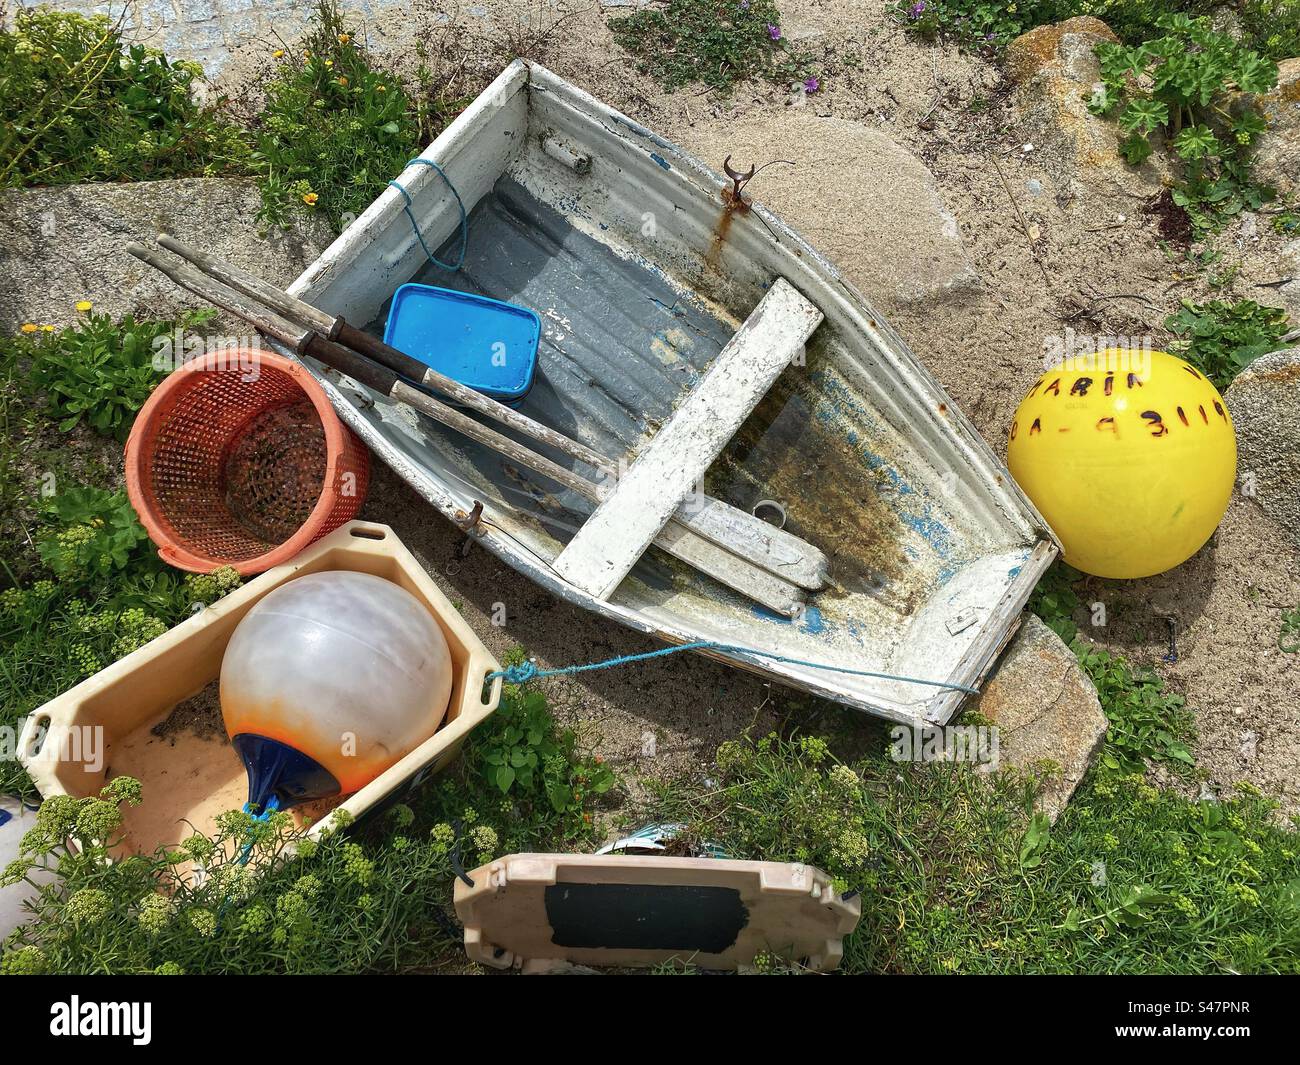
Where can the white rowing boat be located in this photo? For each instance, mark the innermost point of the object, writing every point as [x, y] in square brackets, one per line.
[700, 336]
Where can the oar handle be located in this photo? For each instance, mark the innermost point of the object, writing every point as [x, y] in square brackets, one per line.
[334, 355]
[368, 344]
[302, 339]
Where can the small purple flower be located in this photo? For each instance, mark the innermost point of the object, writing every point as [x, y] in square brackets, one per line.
[774, 32]
[916, 10]
[744, 5]
[811, 84]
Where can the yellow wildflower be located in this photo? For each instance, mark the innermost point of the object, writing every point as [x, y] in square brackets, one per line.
[310, 199]
[342, 80]
[29, 327]
[344, 38]
[381, 88]
[47, 329]
[329, 63]
[83, 306]
[278, 54]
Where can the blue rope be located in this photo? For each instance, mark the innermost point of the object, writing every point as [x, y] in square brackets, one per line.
[529, 671]
[464, 221]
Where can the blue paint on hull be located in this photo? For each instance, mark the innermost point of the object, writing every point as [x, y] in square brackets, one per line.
[919, 515]
[811, 622]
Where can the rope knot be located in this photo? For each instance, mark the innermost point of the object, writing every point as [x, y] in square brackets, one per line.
[521, 674]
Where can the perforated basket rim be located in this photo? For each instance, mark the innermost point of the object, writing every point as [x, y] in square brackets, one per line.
[142, 441]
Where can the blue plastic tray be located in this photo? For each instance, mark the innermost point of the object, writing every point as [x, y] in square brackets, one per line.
[483, 343]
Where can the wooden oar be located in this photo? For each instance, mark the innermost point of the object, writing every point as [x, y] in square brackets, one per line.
[780, 553]
[763, 587]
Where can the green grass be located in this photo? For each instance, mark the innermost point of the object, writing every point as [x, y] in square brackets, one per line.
[957, 876]
[716, 43]
[78, 104]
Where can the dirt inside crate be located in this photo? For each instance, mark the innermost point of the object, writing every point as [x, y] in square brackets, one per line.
[190, 774]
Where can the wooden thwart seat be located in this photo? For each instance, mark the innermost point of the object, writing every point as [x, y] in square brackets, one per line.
[672, 464]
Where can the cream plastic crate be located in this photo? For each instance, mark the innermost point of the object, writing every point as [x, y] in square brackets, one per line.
[190, 779]
[541, 912]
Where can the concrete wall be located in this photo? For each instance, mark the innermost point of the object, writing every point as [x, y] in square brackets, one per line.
[207, 31]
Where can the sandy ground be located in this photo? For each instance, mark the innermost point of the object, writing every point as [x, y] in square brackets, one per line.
[1093, 264]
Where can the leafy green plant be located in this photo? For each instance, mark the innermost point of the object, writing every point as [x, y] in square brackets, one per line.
[975, 24]
[77, 104]
[1033, 844]
[366, 898]
[335, 129]
[1054, 600]
[1223, 338]
[295, 906]
[1147, 723]
[1288, 637]
[983, 25]
[715, 42]
[1287, 221]
[99, 371]
[53, 635]
[1271, 26]
[1192, 88]
[98, 534]
[107, 594]
[523, 754]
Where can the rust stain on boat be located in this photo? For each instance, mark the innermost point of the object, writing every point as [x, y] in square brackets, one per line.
[786, 453]
[732, 205]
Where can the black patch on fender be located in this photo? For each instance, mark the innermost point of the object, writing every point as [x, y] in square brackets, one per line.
[705, 920]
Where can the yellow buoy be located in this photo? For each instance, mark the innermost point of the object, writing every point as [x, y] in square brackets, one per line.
[1130, 456]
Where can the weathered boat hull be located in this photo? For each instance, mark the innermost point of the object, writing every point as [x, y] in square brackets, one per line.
[625, 246]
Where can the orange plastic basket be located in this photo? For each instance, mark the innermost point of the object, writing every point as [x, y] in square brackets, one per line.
[238, 459]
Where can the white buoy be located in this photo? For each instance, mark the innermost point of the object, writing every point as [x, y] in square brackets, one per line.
[328, 681]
